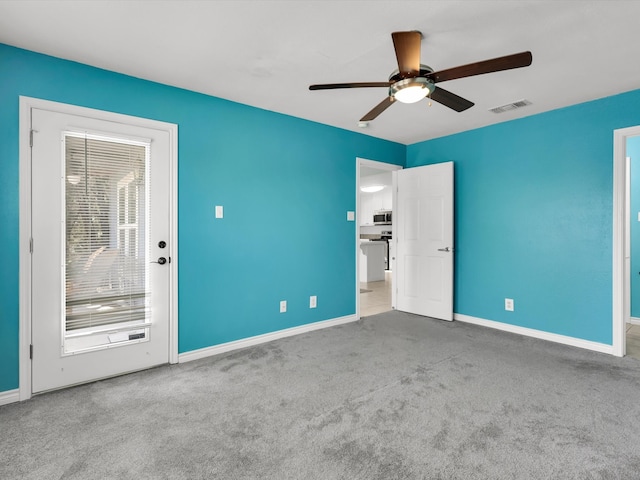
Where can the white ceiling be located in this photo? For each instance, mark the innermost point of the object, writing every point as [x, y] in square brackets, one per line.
[370, 171]
[267, 53]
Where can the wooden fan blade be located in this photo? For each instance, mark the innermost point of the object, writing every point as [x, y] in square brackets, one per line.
[507, 62]
[330, 86]
[378, 109]
[407, 45]
[450, 100]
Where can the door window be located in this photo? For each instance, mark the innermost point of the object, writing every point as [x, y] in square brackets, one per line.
[105, 258]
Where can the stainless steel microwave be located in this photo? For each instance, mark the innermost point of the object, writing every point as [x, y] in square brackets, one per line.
[382, 217]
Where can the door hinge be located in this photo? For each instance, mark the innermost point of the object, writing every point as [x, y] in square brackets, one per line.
[30, 352]
[31, 245]
[31, 138]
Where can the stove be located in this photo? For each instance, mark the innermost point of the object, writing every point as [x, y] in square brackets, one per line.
[386, 236]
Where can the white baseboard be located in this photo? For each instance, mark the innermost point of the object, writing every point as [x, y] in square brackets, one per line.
[10, 396]
[258, 339]
[634, 321]
[529, 332]
[268, 337]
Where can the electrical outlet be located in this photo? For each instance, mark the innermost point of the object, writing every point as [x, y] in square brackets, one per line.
[283, 306]
[508, 304]
[313, 301]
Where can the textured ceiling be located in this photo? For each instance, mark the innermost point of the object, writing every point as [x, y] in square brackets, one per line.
[267, 53]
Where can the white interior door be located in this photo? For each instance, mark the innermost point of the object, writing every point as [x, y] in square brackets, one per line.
[100, 208]
[424, 240]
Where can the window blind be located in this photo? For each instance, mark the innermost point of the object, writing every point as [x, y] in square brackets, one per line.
[106, 216]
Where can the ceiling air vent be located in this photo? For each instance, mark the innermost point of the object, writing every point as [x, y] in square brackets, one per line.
[510, 106]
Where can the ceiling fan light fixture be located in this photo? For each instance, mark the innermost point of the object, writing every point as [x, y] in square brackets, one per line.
[371, 188]
[411, 90]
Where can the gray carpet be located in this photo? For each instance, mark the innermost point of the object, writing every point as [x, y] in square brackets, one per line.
[393, 396]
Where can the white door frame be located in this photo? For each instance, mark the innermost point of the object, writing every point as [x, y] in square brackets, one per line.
[390, 167]
[26, 104]
[621, 273]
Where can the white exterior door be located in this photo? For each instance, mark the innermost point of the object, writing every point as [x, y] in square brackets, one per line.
[424, 240]
[100, 207]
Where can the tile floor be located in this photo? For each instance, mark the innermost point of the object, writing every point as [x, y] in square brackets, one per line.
[378, 300]
[633, 340]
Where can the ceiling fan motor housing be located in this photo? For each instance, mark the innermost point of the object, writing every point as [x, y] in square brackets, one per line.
[425, 71]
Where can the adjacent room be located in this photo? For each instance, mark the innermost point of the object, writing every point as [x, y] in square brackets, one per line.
[287, 239]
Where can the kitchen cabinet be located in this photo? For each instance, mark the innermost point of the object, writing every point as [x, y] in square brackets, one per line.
[372, 202]
[366, 208]
[385, 198]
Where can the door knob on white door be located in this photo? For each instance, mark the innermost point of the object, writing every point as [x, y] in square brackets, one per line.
[445, 249]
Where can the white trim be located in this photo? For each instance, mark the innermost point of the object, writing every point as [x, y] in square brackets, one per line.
[390, 167]
[394, 240]
[267, 337]
[619, 299]
[10, 396]
[627, 248]
[26, 104]
[529, 332]
[633, 321]
[24, 362]
[173, 238]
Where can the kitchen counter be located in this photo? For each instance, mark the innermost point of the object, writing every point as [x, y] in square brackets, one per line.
[372, 260]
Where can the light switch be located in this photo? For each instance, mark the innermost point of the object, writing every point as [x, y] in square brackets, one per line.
[351, 216]
[219, 211]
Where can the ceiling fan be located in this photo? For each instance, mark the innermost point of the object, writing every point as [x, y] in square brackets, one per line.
[413, 81]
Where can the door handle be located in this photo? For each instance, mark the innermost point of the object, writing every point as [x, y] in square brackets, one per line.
[445, 249]
[162, 260]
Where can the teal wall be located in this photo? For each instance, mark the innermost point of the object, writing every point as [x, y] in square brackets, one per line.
[286, 185]
[534, 216]
[533, 208]
[633, 151]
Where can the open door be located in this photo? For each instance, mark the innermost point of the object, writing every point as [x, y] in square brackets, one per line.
[424, 240]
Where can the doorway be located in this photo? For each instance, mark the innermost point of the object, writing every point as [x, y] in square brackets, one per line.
[98, 214]
[625, 338]
[374, 236]
[632, 247]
